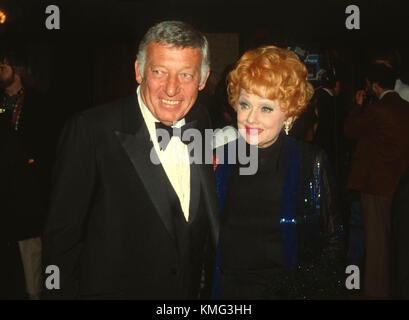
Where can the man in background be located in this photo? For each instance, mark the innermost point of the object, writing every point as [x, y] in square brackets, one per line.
[380, 158]
[327, 128]
[391, 59]
[24, 171]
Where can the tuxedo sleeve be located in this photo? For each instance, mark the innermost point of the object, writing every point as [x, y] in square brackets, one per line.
[73, 184]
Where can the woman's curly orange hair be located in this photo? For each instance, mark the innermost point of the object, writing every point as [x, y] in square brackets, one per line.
[272, 73]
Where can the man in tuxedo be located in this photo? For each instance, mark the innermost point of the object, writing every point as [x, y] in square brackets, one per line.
[381, 157]
[121, 226]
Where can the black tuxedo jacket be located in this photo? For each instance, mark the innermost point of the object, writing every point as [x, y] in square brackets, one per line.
[113, 228]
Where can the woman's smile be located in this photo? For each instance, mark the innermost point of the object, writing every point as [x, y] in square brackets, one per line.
[253, 131]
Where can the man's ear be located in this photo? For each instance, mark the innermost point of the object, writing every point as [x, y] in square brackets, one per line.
[203, 84]
[138, 76]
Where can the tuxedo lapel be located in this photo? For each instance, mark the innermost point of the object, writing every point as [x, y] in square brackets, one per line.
[195, 191]
[205, 173]
[208, 184]
[136, 142]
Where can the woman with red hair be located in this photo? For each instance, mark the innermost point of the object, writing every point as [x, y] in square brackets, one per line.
[280, 236]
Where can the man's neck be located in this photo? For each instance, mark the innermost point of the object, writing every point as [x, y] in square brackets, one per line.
[13, 88]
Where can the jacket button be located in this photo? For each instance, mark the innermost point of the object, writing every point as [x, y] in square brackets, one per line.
[174, 270]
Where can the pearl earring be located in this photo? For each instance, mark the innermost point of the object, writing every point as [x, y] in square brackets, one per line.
[287, 127]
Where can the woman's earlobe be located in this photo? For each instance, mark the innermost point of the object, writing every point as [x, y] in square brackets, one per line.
[288, 124]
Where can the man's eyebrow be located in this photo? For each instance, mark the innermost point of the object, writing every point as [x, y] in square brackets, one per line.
[189, 68]
[157, 65]
[180, 70]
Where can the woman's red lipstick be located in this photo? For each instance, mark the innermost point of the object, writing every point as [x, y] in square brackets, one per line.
[253, 131]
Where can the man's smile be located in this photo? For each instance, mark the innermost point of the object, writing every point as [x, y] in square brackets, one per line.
[172, 102]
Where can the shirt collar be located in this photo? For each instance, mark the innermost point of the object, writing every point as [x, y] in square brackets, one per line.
[329, 92]
[384, 93]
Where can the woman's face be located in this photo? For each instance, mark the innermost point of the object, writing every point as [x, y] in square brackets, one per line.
[259, 120]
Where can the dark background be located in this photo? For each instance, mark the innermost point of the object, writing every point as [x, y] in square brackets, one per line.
[90, 59]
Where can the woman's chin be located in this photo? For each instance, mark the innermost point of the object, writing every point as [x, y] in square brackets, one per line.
[250, 139]
[253, 140]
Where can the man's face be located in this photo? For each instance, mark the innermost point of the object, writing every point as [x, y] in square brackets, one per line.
[171, 81]
[6, 75]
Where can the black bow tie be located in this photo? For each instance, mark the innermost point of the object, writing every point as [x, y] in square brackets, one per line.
[164, 137]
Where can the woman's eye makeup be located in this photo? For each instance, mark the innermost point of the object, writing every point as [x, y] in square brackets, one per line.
[243, 105]
[267, 109]
[264, 108]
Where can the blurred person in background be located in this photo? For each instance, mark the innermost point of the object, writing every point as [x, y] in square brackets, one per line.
[24, 176]
[380, 158]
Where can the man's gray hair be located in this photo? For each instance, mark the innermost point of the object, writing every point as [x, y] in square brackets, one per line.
[176, 34]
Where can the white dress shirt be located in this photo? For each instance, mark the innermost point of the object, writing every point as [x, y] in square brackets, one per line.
[402, 89]
[174, 159]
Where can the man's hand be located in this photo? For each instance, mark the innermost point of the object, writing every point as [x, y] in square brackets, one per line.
[360, 96]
